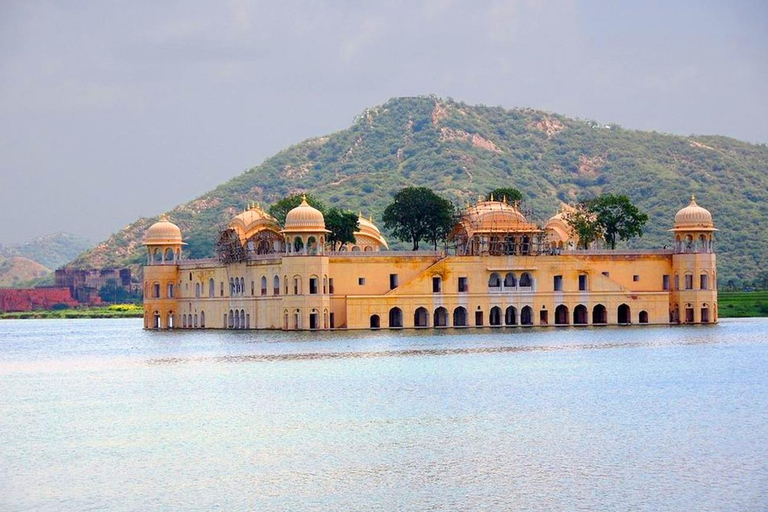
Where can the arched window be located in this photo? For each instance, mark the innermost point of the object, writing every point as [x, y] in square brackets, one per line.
[195, 320]
[421, 317]
[285, 284]
[298, 244]
[441, 317]
[509, 280]
[643, 317]
[158, 256]
[276, 285]
[580, 315]
[395, 318]
[525, 280]
[242, 319]
[263, 285]
[561, 315]
[704, 314]
[495, 317]
[311, 245]
[156, 290]
[494, 282]
[211, 288]
[183, 321]
[169, 290]
[296, 285]
[197, 290]
[460, 317]
[242, 286]
[375, 322]
[231, 322]
[169, 255]
[314, 282]
[325, 285]
[202, 319]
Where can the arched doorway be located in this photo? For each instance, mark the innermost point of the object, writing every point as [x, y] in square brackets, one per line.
[460, 317]
[599, 314]
[580, 315]
[375, 322]
[624, 314]
[561, 315]
[510, 316]
[526, 315]
[421, 317]
[395, 318]
[495, 317]
[441, 317]
[643, 317]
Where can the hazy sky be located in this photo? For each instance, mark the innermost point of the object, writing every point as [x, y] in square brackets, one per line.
[114, 110]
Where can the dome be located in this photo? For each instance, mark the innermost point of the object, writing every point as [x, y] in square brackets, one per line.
[694, 216]
[495, 216]
[163, 232]
[304, 218]
[368, 229]
[252, 221]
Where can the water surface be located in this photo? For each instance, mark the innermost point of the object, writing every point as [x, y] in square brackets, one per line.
[99, 414]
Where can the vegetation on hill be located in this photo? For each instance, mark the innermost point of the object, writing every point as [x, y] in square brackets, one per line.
[50, 251]
[15, 271]
[461, 152]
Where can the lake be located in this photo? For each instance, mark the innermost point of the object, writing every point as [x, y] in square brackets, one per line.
[102, 415]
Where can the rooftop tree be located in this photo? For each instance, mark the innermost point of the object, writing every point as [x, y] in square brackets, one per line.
[416, 214]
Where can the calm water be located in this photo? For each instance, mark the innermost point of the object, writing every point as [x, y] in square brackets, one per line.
[101, 415]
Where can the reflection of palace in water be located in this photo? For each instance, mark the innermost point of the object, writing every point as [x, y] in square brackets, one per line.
[506, 271]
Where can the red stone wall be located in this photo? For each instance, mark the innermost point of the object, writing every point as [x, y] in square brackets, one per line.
[16, 299]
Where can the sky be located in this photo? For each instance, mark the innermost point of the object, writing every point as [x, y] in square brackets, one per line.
[115, 110]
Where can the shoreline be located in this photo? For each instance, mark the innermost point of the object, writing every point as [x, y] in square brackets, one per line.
[730, 304]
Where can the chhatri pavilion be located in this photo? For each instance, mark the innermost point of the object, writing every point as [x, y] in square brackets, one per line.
[503, 271]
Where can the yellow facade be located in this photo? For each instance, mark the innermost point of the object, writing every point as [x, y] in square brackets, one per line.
[500, 276]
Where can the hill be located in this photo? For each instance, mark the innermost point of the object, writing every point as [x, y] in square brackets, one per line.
[463, 151]
[51, 251]
[16, 271]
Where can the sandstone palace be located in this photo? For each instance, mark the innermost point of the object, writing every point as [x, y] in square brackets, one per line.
[503, 271]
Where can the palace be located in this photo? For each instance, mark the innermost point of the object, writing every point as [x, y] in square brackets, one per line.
[503, 271]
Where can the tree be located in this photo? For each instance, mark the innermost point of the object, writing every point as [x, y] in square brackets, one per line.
[114, 293]
[342, 226]
[281, 208]
[508, 194]
[584, 226]
[617, 216]
[417, 213]
[608, 216]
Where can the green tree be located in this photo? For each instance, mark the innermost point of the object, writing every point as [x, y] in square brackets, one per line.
[584, 225]
[417, 213]
[111, 292]
[342, 226]
[608, 216]
[281, 208]
[508, 194]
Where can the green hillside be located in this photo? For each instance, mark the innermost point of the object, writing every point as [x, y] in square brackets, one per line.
[51, 251]
[463, 151]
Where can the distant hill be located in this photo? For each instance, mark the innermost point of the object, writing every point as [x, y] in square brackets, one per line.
[463, 151]
[16, 271]
[32, 263]
[51, 251]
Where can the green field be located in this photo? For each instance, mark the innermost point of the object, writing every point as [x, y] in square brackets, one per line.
[114, 311]
[742, 304]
